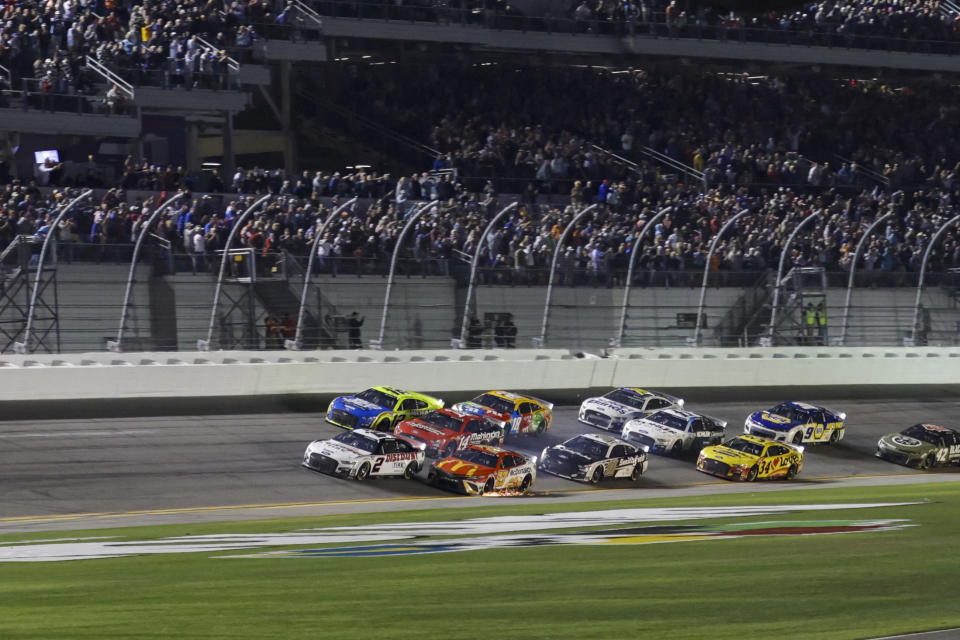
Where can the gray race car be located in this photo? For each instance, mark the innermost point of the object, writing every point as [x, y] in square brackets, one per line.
[921, 446]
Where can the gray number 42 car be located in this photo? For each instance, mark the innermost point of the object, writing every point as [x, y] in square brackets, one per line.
[922, 446]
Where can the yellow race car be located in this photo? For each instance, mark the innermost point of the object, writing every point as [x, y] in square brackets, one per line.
[749, 457]
[379, 408]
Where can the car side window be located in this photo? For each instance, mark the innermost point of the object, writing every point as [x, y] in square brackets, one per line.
[388, 446]
[656, 403]
[419, 405]
[476, 426]
[510, 462]
[403, 446]
[618, 451]
[778, 451]
[695, 425]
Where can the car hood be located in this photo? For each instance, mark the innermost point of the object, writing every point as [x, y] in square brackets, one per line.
[461, 468]
[560, 452]
[336, 450]
[358, 407]
[654, 430]
[772, 421]
[424, 430]
[728, 455]
[610, 408]
[479, 410]
[907, 444]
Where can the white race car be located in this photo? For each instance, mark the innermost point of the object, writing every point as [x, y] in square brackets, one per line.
[362, 453]
[674, 431]
[592, 457]
[613, 410]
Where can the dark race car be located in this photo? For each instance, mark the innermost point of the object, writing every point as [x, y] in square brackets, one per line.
[591, 457]
[922, 446]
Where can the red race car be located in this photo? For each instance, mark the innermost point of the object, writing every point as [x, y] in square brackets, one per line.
[445, 431]
[479, 469]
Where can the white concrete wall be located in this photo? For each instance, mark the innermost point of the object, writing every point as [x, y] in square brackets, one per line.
[216, 374]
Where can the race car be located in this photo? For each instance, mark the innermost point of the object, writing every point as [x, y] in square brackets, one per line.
[362, 453]
[673, 431]
[749, 457]
[517, 414]
[591, 457]
[379, 408]
[922, 446]
[797, 422]
[445, 431]
[480, 469]
[612, 410]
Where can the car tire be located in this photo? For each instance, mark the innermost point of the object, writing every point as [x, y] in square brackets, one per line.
[597, 475]
[927, 462]
[752, 474]
[449, 450]
[835, 436]
[676, 449]
[363, 472]
[488, 486]
[411, 471]
[792, 472]
[635, 475]
[798, 438]
[525, 485]
[432, 478]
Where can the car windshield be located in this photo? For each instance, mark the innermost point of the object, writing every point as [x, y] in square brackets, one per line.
[358, 441]
[475, 456]
[739, 444]
[587, 446]
[920, 433]
[629, 398]
[379, 398]
[498, 404]
[442, 421]
[791, 413]
[669, 420]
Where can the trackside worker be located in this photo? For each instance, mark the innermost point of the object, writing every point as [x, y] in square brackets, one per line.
[822, 322]
[810, 321]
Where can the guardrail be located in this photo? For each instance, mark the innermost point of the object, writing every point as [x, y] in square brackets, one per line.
[186, 375]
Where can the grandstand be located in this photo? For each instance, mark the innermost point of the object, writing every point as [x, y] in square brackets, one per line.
[630, 135]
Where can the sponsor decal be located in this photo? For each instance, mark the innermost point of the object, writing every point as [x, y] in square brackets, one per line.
[905, 441]
[412, 534]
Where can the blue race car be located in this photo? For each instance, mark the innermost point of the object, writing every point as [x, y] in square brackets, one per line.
[379, 408]
[797, 422]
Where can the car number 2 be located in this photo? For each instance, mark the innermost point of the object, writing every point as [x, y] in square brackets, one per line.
[377, 464]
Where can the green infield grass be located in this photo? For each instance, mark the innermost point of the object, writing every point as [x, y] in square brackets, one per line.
[848, 585]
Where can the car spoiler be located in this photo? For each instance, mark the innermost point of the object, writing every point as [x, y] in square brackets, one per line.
[548, 405]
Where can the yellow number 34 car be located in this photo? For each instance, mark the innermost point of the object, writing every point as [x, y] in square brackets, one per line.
[749, 457]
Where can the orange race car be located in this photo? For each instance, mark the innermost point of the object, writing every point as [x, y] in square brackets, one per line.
[480, 469]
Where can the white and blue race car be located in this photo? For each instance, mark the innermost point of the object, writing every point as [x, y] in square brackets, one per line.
[674, 431]
[614, 409]
[797, 422]
[362, 453]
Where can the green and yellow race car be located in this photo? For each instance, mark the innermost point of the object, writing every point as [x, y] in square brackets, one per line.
[379, 408]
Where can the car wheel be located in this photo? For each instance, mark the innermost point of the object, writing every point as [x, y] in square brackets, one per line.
[489, 486]
[928, 462]
[364, 471]
[798, 438]
[676, 449]
[752, 474]
[432, 478]
[449, 450]
[411, 471]
[835, 436]
[525, 485]
[635, 476]
[792, 472]
[597, 475]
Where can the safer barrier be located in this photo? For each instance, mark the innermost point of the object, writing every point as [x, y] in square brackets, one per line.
[244, 373]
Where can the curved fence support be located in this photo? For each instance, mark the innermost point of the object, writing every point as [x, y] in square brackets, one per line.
[473, 268]
[923, 273]
[393, 265]
[144, 230]
[553, 268]
[23, 347]
[706, 273]
[777, 286]
[633, 261]
[853, 272]
[297, 342]
[204, 345]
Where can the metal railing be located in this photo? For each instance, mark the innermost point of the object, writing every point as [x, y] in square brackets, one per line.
[111, 77]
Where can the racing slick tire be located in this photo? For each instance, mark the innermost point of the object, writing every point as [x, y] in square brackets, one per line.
[597, 475]
[752, 474]
[798, 437]
[432, 478]
[676, 449]
[383, 424]
[363, 472]
[489, 486]
[835, 436]
[635, 475]
[525, 485]
[927, 462]
[411, 471]
[792, 472]
[449, 450]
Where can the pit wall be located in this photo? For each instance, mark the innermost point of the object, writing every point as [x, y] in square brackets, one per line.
[222, 374]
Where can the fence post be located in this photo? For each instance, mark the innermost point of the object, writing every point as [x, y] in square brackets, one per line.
[923, 273]
[776, 284]
[853, 272]
[706, 274]
[633, 261]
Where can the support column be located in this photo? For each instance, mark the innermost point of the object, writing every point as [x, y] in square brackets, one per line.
[229, 162]
[193, 146]
[286, 121]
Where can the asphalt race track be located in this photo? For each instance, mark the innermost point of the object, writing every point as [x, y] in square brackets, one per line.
[50, 469]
